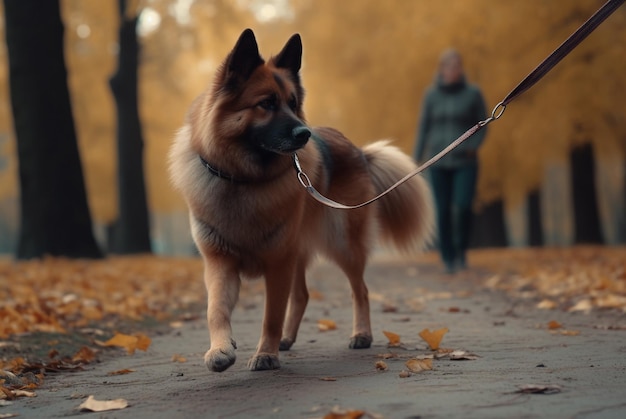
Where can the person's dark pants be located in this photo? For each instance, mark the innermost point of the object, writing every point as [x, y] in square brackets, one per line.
[454, 192]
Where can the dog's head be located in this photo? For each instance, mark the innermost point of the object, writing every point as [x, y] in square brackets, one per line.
[258, 104]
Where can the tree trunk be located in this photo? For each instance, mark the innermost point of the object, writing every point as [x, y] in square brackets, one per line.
[131, 231]
[55, 217]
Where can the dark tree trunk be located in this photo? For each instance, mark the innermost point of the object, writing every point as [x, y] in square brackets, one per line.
[55, 217]
[488, 229]
[131, 231]
[535, 227]
[586, 218]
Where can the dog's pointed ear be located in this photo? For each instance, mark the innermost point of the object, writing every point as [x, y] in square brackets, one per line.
[244, 58]
[290, 57]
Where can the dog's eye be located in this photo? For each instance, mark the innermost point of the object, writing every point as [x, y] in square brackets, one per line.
[269, 104]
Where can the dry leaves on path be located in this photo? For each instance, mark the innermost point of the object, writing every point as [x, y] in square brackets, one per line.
[394, 339]
[325, 325]
[433, 339]
[539, 389]
[58, 295]
[419, 365]
[340, 413]
[457, 355]
[579, 278]
[129, 342]
[93, 405]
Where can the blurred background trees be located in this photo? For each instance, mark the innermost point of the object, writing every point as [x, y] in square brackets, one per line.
[130, 233]
[552, 170]
[55, 218]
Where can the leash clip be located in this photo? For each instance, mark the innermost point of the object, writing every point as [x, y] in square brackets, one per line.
[496, 113]
[302, 177]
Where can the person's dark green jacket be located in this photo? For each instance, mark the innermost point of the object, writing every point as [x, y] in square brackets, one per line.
[447, 112]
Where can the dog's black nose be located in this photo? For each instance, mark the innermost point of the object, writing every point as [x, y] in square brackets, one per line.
[301, 133]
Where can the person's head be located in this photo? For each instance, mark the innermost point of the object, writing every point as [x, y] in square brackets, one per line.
[450, 66]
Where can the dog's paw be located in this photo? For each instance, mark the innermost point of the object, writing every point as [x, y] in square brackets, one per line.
[360, 341]
[285, 344]
[262, 362]
[219, 359]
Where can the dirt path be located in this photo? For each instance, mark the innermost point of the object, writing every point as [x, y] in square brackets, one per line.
[320, 372]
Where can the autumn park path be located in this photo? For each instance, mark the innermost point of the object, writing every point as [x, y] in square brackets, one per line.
[529, 362]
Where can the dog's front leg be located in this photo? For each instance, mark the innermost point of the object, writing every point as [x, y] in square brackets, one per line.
[223, 283]
[278, 281]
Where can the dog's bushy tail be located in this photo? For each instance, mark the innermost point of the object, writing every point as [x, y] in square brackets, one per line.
[406, 215]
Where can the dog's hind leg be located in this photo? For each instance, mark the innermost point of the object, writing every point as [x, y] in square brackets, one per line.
[223, 283]
[298, 299]
[278, 282]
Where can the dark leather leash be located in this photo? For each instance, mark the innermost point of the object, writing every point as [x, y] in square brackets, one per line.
[530, 80]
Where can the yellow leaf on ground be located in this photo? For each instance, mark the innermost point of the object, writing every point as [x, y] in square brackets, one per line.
[569, 332]
[94, 405]
[128, 342]
[419, 365]
[546, 304]
[345, 414]
[23, 393]
[582, 305]
[121, 372]
[143, 342]
[553, 325]
[381, 365]
[85, 355]
[326, 324]
[394, 338]
[178, 358]
[433, 339]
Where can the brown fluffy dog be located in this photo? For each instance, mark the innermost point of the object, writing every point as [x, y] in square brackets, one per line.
[250, 217]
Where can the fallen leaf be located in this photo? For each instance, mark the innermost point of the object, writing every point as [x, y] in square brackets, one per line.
[93, 405]
[121, 372]
[419, 365]
[6, 393]
[582, 305]
[433, 339]
[84, 355]
[539, 389]
[546, 304]
[569, 332]
[328, 379]
[23, 393]
[345, 414]
[553, 324]
[389, 308]
[443, 352]
[326, 324]
[176, 324]
[178, 358]
[381, 366]
[454, 310]
[394, 338]
[143, 342]
[388, 355]
[404, 374]
[462, 356]
[129, 342]
[8, 415]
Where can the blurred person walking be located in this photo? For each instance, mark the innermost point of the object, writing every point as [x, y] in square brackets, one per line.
[451, 106]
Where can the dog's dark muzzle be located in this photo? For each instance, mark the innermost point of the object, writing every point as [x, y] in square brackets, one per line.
[300, 136]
